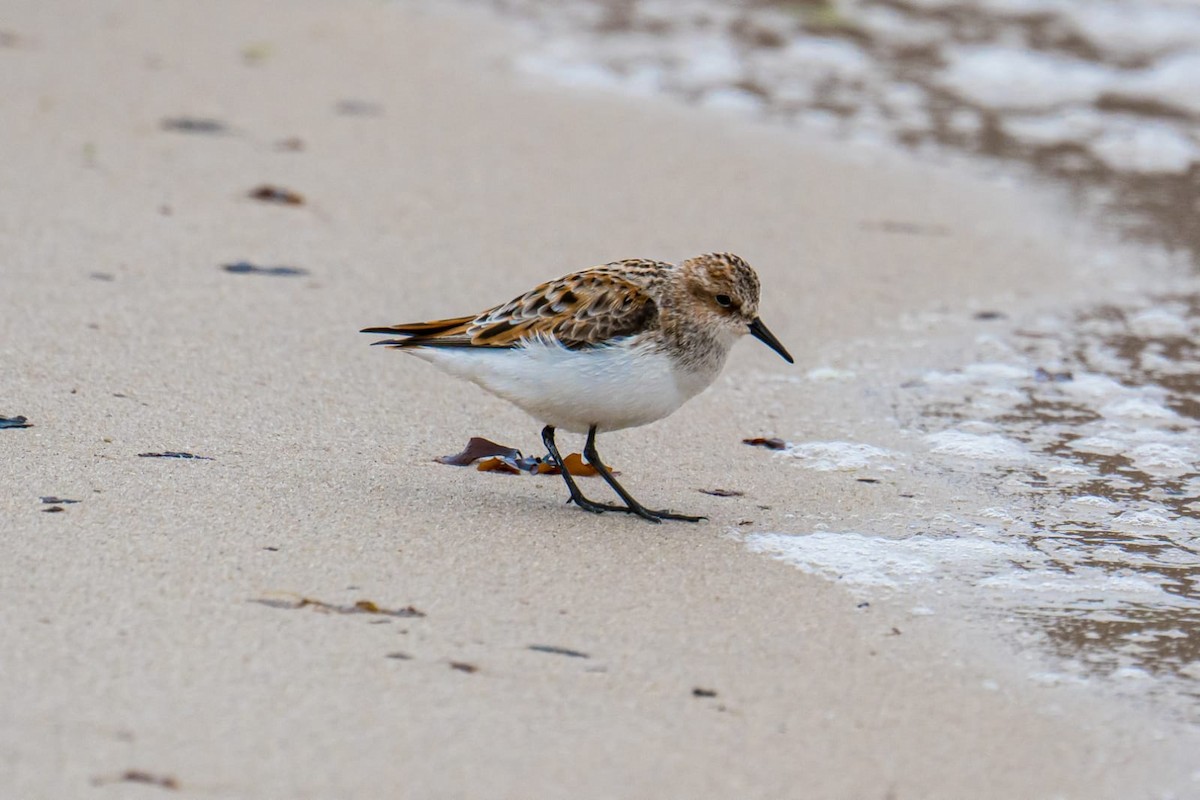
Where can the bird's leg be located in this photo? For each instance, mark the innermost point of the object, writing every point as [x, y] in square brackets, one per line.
[589, 451]
[576, 496]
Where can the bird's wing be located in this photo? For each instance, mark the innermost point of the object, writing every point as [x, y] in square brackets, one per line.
[583, 309]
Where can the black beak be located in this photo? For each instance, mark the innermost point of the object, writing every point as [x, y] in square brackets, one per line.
[761, 333]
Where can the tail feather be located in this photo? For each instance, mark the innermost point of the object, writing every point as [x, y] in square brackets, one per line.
[445, 332]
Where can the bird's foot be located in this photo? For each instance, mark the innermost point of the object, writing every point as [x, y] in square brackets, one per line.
[647, 514]
[673, 515]
[594, 507]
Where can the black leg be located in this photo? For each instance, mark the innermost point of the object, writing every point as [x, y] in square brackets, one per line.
[576, 496]
[589, 451]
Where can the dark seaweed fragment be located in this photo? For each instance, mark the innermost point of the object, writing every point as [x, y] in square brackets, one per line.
[246, 268]
[277, 194]
[194, 125]
[139, 776]
[723, 492]
[773, 443]
[175, 454]
[477, 448]
[558, 651]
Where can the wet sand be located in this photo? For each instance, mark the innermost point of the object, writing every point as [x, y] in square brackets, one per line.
[139, 648]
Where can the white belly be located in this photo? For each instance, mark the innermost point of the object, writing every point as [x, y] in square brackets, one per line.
[616, 387]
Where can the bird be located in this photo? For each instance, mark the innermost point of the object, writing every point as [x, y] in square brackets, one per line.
[615, 346]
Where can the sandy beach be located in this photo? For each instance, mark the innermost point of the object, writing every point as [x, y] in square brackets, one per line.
[506, 645]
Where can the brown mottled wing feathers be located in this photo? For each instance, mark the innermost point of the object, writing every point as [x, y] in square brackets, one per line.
[580, 310]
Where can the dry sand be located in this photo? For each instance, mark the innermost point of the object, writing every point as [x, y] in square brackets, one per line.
[131, 639]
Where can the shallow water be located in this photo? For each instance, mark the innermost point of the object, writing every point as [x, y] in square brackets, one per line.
[1103, 96]
[1075, 444]
[1078, 436]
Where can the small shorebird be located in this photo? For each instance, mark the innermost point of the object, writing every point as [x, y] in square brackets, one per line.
[607, 348]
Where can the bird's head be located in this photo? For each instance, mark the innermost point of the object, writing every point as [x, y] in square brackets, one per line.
[723, 290]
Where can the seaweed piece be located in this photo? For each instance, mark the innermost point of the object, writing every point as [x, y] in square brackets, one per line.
[773, 443]
[723, 492]
[701, 692]
[15, 422]
[578, 467]
[246, 268]
[557, 651]
[358, 607]
[463, 666]
[176, 454]
[194, 125]
[495, 457]
[477, 448]
[139, 776]
[277, 194]
[505, 465]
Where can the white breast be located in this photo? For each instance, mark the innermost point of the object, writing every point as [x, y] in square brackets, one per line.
[620, 386]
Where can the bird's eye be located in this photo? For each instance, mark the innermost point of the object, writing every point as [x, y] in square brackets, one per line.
[724, 300]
